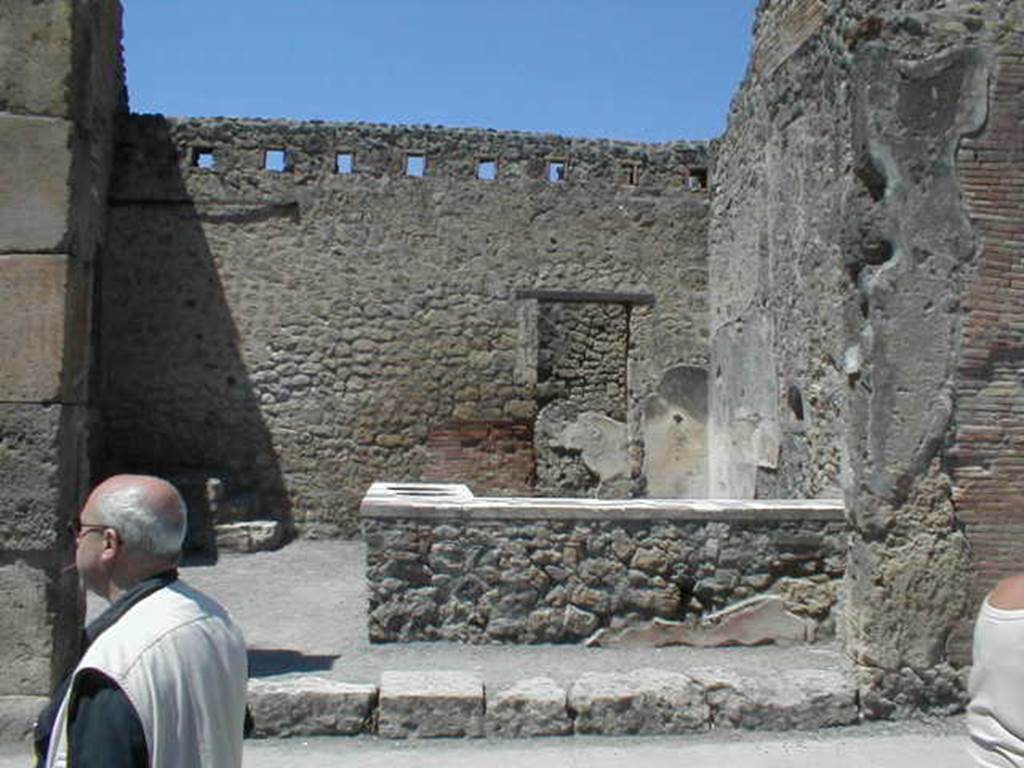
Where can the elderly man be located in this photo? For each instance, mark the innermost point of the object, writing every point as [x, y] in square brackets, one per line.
[162, 678]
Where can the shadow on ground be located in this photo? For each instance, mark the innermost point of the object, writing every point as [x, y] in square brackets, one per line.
[264, 662]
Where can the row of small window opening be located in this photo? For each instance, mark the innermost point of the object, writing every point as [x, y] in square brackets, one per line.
[276, 161]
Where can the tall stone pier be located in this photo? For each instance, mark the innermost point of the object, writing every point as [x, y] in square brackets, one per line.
[60, 86]
[866, 313]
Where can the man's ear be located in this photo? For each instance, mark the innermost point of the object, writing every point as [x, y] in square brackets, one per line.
[112, 543]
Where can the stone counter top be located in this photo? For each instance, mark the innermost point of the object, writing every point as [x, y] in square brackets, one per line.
[430, 501]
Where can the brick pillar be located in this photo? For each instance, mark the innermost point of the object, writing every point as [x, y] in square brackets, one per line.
[987, 456]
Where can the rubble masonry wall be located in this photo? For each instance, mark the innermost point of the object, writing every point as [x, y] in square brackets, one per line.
[306, 332]
[535, 574]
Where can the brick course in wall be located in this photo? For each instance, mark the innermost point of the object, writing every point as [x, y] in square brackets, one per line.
[497, 454]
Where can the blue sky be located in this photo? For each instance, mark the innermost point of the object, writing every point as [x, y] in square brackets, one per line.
[643, 70]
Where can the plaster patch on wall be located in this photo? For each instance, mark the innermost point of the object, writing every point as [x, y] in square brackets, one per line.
[675, 435]
[601, 442]
[744, 423]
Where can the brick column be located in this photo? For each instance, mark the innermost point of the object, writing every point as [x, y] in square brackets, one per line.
[987, 456]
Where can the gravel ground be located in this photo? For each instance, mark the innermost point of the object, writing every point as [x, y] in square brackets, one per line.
[931, 744]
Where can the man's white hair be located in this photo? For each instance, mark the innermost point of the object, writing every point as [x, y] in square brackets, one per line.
[144, 530]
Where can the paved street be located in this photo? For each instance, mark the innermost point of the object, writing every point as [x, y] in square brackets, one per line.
[880, 745]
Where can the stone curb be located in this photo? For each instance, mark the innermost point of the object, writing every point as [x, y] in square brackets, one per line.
[430, 704]
[439, 703]
[310, 706]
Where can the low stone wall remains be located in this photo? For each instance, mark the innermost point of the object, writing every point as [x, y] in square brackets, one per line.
[444, 565]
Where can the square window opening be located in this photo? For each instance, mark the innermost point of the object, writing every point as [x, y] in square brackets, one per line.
[556, 171]
[344, 163]
[697, 179]
[487, 170]
[202, 157]
[275, 160]
[415, 165]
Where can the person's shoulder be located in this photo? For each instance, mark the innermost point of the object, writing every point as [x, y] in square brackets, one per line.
[1008, 594]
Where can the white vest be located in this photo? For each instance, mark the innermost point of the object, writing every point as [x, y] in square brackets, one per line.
[995, 716]
[181, 662]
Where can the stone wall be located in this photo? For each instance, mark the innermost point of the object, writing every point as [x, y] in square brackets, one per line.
[777, 278]
[306, 331]
[484, 570]
[868, 343]
[60, 87]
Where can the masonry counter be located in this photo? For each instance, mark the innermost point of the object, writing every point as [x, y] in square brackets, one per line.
[443, 564]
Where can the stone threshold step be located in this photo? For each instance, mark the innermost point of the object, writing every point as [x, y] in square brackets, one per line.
[439, 703]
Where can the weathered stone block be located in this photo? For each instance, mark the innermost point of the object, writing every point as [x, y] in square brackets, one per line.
[533, 707]
[35, 56]
[26, 635]
[29, 466]
[754, 621]
[429, 704]
[250, 536]
[35, 196]
[643, 701]
[310, 706]
[18, 716]
[800, 699]
[32, 293]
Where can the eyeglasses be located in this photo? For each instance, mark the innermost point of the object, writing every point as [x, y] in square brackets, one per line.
[78, 529]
